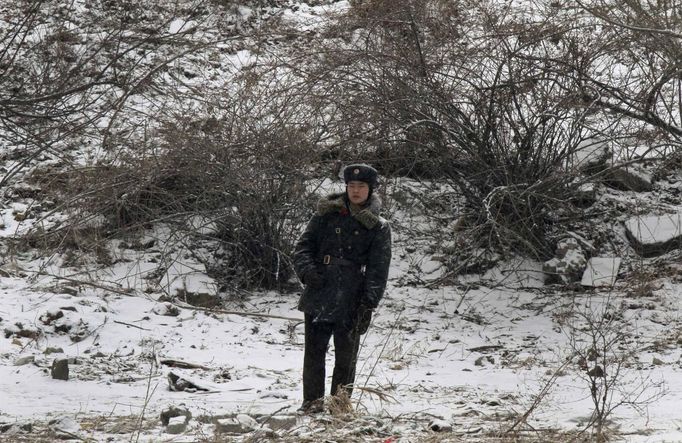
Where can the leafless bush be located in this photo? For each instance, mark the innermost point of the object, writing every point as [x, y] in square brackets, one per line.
[598, 337]
[242, 191]
[458, 92]
[60, 83]
[121, 101]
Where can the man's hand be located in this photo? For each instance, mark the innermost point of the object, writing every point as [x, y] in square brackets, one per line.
[364, 318]
[313, 280]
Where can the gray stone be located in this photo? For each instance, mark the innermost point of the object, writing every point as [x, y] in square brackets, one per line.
[24, 360]
[628, 179]
[60, 369]
[247, 421]
[166, 308]
[592, 155]
[51, 350]
[177, 425]
[239, 424]
[199, 299]
[50, 316]
[175, 411]
[439, 425]
[568, 264]
[585, 195]
[601, 272]
[653, 235]
[229, 426]
[11, 429]
[65, 428]
[280, 422]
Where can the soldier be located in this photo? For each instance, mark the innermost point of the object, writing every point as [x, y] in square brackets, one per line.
[343, 259]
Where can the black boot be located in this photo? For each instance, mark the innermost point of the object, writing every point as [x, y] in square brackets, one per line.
[311, 406]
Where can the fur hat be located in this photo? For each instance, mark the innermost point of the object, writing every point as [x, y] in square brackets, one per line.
[361, 172]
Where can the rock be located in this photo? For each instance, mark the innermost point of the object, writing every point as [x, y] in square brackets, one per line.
[569, 262]
[247, 421]
[654, 235]
[10, 429]
[60, 369]
[187, 280]
[229, 426]
[601, 272]
[177, 425]
[50, 316]
[592, 155]
[177, 383]
[483, 360]
[658, 362]
[65, 428]
[51, 350]
[628, 179]
[80, 332]
[175, 411]
[18, 330]
[596, 372]
[166, 308]
[280, 422]
[199, 299]
[239, 424]
[584, 195]
[24, 360]
[439, 425]
[148, 244]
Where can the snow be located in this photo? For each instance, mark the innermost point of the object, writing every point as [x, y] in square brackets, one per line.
[653, 229]
[441, 352]
[601, 271]
[180, 25]
[473, 354]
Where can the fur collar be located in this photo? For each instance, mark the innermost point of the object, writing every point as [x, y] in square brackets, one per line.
[368, 216]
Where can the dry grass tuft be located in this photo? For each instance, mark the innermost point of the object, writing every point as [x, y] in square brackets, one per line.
[340, 405]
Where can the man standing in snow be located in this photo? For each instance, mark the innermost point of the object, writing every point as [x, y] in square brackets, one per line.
[343, 259]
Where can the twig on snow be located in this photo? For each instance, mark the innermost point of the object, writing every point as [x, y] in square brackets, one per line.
[128, 324]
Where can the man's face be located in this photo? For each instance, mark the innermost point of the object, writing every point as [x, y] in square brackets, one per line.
[358, 192]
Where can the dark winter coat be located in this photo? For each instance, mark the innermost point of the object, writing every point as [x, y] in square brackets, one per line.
[359, 250]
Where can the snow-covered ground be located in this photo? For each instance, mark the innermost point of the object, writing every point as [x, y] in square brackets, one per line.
[476, 356]
[483, 357]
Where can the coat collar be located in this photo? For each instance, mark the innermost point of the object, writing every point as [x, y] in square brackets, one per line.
[368, 216]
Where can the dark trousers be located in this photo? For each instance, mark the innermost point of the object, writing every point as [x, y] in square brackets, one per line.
[346, 344]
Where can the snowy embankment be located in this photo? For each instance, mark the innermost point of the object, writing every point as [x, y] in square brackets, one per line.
[474, 356]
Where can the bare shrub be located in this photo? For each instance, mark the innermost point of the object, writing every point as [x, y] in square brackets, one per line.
[60, 84]
[245, 188]
[598, 337]
[460, 93]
